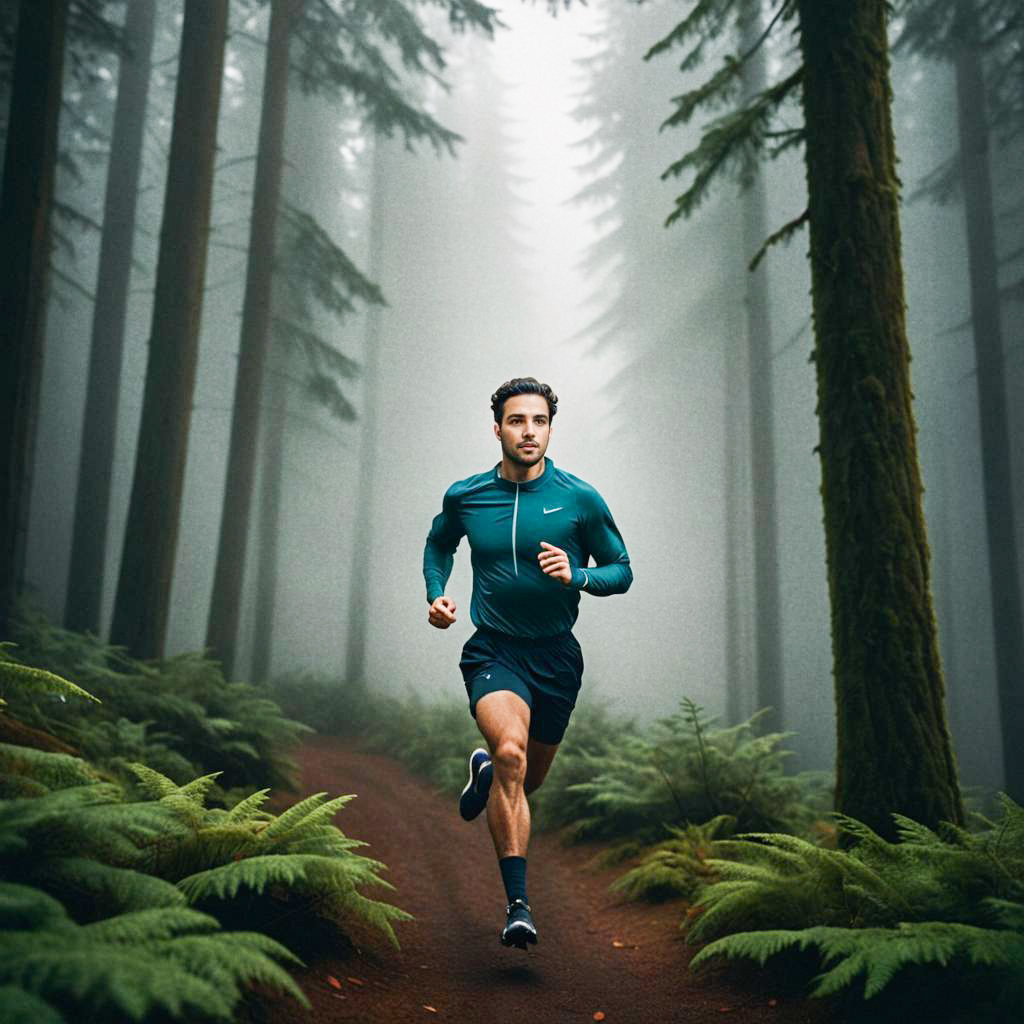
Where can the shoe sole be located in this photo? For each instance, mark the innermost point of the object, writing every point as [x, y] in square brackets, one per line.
[469, 784]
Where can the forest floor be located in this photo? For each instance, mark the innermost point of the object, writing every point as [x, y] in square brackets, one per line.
[599, 957]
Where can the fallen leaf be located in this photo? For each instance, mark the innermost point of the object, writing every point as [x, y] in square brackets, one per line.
[599, 1015]
[618, 944]
[356, 981]
[725, 1009]
[333, 981]
[430, 1008]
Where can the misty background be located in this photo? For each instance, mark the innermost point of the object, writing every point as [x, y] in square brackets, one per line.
[539, 249]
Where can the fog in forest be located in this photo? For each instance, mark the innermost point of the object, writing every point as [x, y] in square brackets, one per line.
[537, 249]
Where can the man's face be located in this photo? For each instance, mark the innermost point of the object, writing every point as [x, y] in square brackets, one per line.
[525, 429]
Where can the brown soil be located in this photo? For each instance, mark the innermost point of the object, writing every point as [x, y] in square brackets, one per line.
[597, 954]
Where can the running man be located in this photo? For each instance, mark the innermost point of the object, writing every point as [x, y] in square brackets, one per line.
[532, 531]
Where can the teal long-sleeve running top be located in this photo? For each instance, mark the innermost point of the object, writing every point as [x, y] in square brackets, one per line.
[505, 522]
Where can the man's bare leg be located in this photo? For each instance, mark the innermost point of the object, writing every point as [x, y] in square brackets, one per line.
[519, 765]
[504, 719]
[538, 760]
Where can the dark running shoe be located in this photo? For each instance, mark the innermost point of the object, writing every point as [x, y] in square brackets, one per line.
[519, 928]
[474, 796]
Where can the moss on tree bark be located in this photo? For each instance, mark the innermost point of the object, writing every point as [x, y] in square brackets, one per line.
[894, 750]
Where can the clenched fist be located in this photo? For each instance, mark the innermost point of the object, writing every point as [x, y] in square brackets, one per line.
[555, 562]
[442, 612]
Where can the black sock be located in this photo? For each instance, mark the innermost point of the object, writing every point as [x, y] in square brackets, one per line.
[513, 874]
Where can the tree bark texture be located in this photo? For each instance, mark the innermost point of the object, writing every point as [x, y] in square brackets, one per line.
[996, 464]
[99, 429]
[225, 604]
[894, 750]
[767, 599]
[147, 565]
[30, 161]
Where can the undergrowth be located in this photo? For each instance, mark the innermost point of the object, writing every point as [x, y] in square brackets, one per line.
[948, 899]
[178, 714]
[121, 885]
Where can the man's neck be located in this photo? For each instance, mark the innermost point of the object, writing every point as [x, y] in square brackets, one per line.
[517, 474]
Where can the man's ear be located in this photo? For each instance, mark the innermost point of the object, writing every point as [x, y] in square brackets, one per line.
[497, 431]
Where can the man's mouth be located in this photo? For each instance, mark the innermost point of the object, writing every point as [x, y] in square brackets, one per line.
[529, 444]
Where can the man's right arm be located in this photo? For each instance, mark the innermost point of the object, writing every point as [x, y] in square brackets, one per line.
[439, 553]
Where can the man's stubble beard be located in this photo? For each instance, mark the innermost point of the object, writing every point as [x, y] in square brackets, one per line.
[514, 455]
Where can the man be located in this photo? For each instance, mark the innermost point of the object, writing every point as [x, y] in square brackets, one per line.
[532, 530]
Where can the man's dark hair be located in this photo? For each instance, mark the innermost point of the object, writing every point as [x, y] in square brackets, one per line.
[522, 386]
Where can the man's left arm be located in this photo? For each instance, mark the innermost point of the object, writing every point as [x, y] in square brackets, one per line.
[612, 573]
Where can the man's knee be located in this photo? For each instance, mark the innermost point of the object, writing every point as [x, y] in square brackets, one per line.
[510, 758]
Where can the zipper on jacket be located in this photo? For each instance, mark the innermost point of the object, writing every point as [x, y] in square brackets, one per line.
[515, 514]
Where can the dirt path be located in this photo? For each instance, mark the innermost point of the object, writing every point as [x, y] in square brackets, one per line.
[596, 954]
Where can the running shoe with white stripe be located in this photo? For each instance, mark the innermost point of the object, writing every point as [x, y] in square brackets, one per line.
[474, 796]
[519, 928]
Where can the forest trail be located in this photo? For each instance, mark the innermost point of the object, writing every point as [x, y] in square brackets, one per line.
[596, 953]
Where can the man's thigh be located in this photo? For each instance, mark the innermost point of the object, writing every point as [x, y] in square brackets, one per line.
[503, 715]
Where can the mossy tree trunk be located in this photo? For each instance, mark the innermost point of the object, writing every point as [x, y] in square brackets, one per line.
[142, 604]
[30, 160]
[99, 429]
[894, 750]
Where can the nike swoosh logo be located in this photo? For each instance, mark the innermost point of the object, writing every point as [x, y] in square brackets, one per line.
[548, 511]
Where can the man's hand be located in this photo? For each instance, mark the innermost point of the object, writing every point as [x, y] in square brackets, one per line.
[555, 562]
[442, 612]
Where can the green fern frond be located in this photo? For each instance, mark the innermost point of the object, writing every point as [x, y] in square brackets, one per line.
[55, 771]
[353, 906]
[171, 959]
[37, 680]
[913, 832]
[197, 789]
[249, 808]
[311, 810]
[21, 1007]
[254, 873]
[116, 981]
[153, 784]
[115, 890]
[228, 960]
[23, 907]
[1009, 913]
[878, 953]
[139, 927]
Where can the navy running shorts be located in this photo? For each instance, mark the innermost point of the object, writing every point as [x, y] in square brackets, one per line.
[545, 671]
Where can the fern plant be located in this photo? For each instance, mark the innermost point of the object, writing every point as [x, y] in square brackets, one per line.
[130, 966]
[930, 898]
[246, 848]
[204, 722]
[210, 853]
[679, 866]
[687, 770]
[14, 675]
